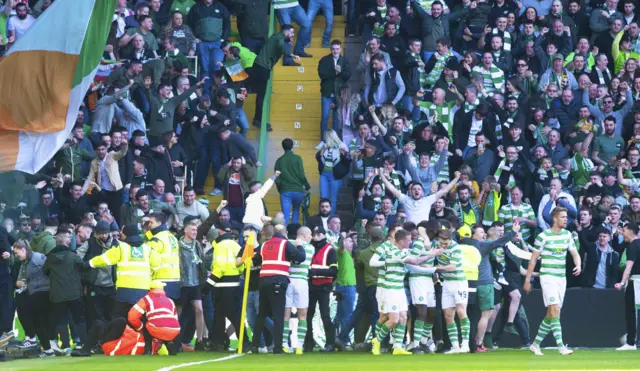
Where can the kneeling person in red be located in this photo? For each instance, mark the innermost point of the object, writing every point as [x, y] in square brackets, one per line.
[160, 318]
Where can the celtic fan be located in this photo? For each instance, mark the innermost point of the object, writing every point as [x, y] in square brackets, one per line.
[552, 246]
[392, 300]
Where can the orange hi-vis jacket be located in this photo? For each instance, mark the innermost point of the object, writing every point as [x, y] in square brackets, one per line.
[162, 317]
[131, 343]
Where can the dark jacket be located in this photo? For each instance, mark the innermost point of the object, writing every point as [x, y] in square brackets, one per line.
[461, 83]
[125, 166]
[395, 46]
[330, 82]
[462, 128]
[91, 276]
[567, 115]
[390, 84]
[210, 23]
[251, 17]
[411, 73]
[5, 265]
[238, 146]
[63, 268]
[591, 261]
[340, 170]
[224, 113]
[159, 167]
[432, 28]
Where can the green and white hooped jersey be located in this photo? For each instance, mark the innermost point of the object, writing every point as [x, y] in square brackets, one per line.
[453, 254]
[284, 4]
[508, 213]
[553, 249]
[395, 270]
[418, 250]
[382, 251]
[301, 271]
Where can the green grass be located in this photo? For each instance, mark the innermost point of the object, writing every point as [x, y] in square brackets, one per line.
[497, 360]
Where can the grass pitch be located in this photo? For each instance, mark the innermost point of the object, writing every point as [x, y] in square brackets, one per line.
[496, 360]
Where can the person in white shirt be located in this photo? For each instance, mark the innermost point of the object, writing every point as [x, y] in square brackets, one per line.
[416, 205]
[17, 26]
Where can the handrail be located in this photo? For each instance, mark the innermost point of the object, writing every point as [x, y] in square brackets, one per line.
[266, 110]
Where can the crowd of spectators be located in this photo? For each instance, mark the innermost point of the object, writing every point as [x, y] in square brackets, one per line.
[478, 113]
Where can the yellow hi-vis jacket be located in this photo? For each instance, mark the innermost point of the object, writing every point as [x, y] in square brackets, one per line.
[134, 264]
[223, 266]
[166, 245]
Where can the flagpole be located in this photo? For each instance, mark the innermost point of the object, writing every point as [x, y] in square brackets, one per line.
[245, 295]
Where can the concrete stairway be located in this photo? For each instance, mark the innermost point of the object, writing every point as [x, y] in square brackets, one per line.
[295, 113]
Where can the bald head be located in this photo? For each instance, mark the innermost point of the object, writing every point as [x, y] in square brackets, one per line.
[304, 235]
[438, 94]
[281, 229]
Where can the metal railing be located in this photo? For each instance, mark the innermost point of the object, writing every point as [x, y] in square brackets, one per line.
[266, 110]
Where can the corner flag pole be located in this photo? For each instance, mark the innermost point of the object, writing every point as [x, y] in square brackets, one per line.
[246, 257]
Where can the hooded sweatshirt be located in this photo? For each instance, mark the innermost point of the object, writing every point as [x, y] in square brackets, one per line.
[63, 268]
[43, 243]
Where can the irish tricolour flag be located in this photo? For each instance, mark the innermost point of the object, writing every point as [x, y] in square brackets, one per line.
[44, 78]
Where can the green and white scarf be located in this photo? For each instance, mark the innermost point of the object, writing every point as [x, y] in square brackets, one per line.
[506, 39]
[493, 78]
[394, 179]
[435, 73]
[543, 174]
[512, 181]
[468, 107]
[443, 111]
[491, 207]
[378, 31]
[423, 76]
[330, 158]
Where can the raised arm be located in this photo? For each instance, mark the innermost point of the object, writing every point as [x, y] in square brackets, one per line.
[394, 191]
[443, 192]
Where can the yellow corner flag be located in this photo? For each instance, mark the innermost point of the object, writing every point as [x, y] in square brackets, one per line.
[247, 255]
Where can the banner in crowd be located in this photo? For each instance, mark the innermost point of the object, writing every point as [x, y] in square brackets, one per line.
[44, 78]
[235, 70]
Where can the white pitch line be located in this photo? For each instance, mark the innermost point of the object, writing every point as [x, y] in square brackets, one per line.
[201, 362]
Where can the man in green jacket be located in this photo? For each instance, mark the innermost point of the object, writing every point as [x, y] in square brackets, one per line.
[260, 73]
[210, 22]
[70, 157]
[163, 107]
[65, 293]
[292, 183]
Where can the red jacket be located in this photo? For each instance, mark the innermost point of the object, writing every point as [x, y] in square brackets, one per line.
[130, 343]
[162, 317]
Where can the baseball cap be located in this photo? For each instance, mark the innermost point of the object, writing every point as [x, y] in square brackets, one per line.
[464, 231]
[318, 229]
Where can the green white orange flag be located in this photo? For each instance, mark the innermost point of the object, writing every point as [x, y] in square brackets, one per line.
[44, 78]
